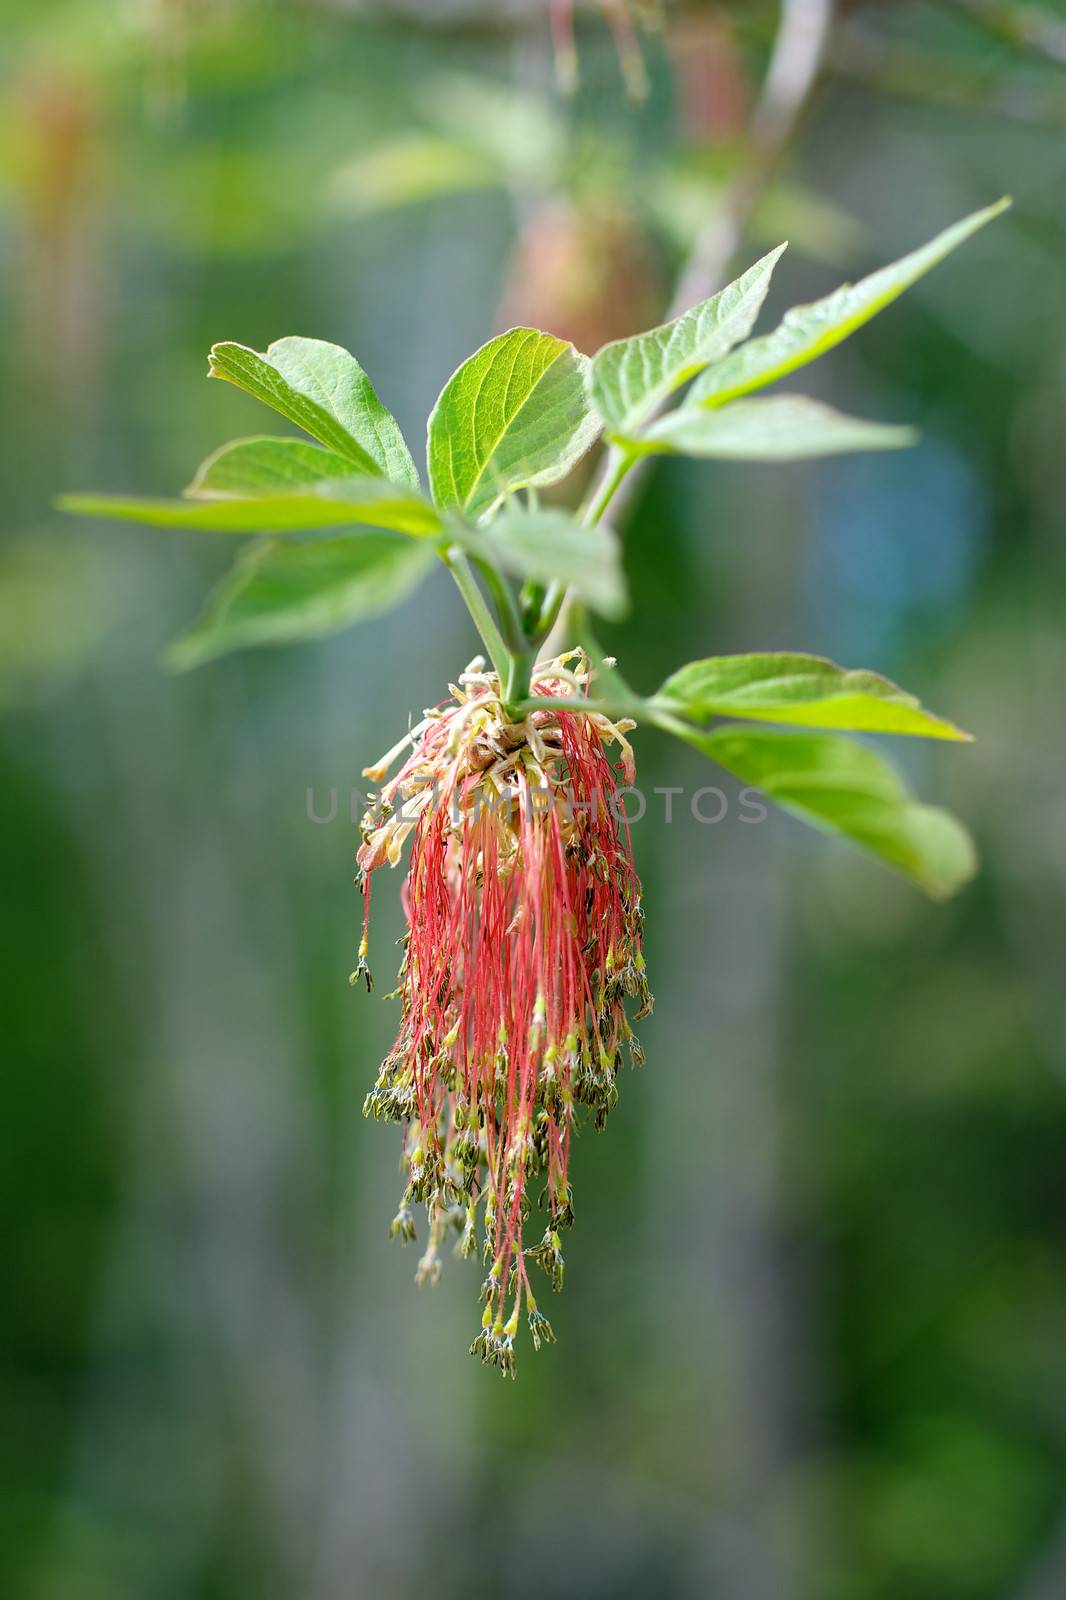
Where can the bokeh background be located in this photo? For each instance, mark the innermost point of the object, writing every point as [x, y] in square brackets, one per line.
[813, 1340]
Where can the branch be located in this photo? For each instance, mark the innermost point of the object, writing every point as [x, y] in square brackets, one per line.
[795, 62]
[796, 59]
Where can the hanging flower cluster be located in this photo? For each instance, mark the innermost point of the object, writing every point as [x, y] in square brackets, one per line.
[523, 944]
[524, 927]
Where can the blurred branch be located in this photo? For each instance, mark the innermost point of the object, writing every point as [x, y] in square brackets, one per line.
[1028, 26]
[796, 58]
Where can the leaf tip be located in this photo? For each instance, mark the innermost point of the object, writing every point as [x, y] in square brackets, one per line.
[772, 257]
[951, 733]
[943, 889]
[179, 656]
[217, 354]
[988, 214]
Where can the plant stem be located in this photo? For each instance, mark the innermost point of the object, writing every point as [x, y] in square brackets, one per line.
[549, 611]
[617, 464]
[504, 601]
[799, 49]
[459, 567]
[662, 717]
[800, 44]
[516, 684]
[512, 666]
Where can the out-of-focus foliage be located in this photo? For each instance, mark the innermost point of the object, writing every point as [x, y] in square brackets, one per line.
[813, 1344]
[520, 414]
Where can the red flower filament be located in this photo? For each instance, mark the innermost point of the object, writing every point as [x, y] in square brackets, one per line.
[523, 942]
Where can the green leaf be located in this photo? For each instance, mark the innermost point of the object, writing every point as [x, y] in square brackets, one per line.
[549, 545]
[263, 465]
[334, 503]
[806, 690]
[632, 377]
[807, 332]
[783, 428]
[845, 788]
[515, 415]
[325, 391]
[277, 592]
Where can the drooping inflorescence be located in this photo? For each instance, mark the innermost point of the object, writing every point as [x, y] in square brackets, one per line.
[523, 943]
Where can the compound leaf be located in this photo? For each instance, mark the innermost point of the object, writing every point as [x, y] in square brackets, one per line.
[807, 332]
[323, 390]
[630, 378]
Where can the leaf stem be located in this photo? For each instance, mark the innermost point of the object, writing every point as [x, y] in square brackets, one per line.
[668, 722]
[504, 601]
[616, 465]
[512, 659]
[801, 42]
[459, 567]
[516, 686]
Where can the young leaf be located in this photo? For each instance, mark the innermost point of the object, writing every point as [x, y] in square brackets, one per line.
[631, 377]
[324, 390]
[548, 545]
[514, 415]
[783, 428]
[262, 465]
[807, 332]
[279, 591]
[334, 503]
[805, 690]
[845, 788]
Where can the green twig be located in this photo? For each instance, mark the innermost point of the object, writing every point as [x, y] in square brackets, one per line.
[516, 684]
[459, 567]
[504, 601]
[617, 464]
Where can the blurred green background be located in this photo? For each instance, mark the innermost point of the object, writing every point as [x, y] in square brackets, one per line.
[813, 1340]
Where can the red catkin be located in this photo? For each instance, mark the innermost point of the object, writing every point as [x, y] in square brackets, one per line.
[523, 943]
